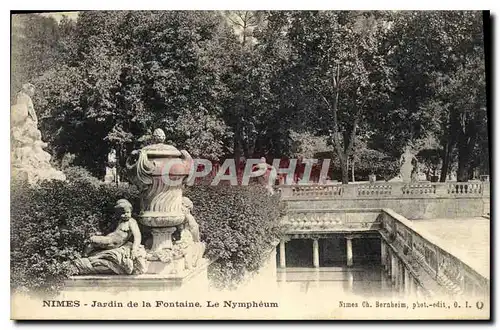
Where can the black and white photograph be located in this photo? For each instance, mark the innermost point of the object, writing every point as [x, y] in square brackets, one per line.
[250, 165]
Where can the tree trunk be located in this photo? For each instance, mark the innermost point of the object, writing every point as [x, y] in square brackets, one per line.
[463, 170]
[472, 172]
[344, 168]
[352, 170]
[463, 159]
[237, 149]
[466, 144]
[446, 157]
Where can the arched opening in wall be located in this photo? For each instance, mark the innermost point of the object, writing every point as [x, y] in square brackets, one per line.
[332, 251]
[299, 253]
[366, 251]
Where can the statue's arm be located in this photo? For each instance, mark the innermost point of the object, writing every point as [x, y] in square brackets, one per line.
[136, 233]
[194, 228]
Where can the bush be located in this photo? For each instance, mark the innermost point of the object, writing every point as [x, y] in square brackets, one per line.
[51, 224]
[238, 224]
[78, 173]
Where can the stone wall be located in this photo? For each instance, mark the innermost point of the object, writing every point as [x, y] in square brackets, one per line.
[411, 208]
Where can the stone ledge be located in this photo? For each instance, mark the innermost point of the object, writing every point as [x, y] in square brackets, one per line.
[143, 281]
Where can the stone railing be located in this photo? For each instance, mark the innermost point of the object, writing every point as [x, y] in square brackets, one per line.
[312, 190]
[455, 272]
[316, 220]
[386, 189]
[422, 200]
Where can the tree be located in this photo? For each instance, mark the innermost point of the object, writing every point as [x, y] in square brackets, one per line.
[463, 101]
[245, 22]
[426, 48]
[36, 44]
[132, 72]
[340, 73]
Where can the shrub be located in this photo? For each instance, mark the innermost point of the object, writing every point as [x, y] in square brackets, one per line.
[238, 224]
[78, 173]
[51, 224]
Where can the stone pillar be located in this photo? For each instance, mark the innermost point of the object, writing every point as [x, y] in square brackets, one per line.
[382, 254]
[349, 251]
[402, 275]
[315, 253]
[397, 275]
[282, 254]
[388, 267]
[394, 270]
[408, 281]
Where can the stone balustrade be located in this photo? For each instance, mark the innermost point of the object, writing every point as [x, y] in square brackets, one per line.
[396, 189]
[436, 263]
[420, 200]
[346, 220]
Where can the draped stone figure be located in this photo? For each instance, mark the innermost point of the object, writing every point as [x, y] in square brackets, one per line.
[28, 159]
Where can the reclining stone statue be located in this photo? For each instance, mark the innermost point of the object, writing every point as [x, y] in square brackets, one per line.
[119, 252]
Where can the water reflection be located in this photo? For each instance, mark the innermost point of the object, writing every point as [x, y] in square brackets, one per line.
[365, 280]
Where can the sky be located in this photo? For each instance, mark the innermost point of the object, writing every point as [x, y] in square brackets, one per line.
[59, 15]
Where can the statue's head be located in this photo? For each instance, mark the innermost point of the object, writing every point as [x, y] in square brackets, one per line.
[187, 203]
[112, 151]
[29, 89]
[158, 136]
[123, 208]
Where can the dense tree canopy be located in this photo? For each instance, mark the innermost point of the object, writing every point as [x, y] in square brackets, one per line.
[246, 83]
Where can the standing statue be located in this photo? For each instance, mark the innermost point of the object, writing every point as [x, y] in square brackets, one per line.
[119, 252]
[28, 159]
[269, 177]
[111, 170]
[407, 162]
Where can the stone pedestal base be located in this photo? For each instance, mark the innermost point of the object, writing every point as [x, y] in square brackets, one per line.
[191, 279]
[171, 268]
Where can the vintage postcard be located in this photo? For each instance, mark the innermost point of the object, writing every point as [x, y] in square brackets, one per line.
[273, 165]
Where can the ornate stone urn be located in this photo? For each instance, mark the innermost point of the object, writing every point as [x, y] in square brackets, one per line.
[159, 171]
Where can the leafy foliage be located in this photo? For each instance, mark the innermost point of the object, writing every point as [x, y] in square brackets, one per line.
[239, 225]
[440, 88]
[51, 224]
[244, 83]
